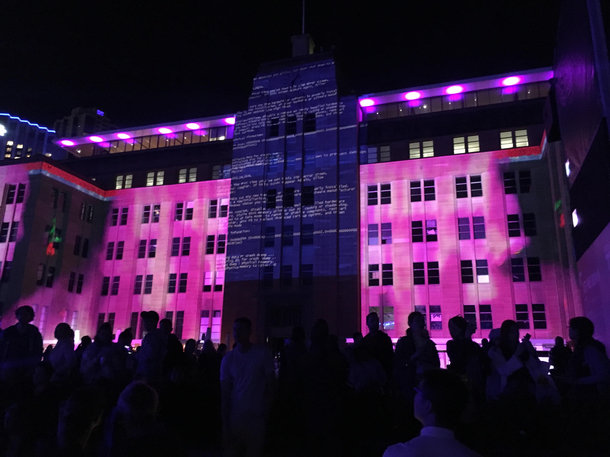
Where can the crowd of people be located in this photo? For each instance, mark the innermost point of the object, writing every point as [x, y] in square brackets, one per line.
[312, 397]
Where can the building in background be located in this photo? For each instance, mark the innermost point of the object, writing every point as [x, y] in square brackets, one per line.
[21, 139]
[82, 121]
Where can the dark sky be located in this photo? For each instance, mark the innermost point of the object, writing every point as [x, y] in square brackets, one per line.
[153, 61]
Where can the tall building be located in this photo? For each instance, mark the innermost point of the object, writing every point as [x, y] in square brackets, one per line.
[311, 203]
[21, 139]
[82, 121]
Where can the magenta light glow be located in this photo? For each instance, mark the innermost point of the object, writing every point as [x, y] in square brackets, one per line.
[452, 90]
[193, 126]
[229, 120]
[96, 139]
[454, 97]
[511, 81]
[164, 130]
[414, 103]
[67, 142]
[367, 102]
[123, 136]
[413, 95]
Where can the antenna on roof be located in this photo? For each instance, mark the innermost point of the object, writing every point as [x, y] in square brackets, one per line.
[303, 20]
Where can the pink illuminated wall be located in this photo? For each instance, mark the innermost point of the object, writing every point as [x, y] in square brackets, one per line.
[501, 292]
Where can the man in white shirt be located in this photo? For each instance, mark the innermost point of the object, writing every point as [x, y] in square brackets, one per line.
[247, 380]
[439, 402]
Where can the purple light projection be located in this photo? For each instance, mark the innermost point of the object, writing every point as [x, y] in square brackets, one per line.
[413, 95]
[165, 130]
[511, 81]
[67, 142]
[123, 136]
[452, 90]
[365, 102]
[229, 120]
[193, 126]
[96, 139]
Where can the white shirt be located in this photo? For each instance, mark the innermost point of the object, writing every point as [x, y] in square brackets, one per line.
[248, 373]
[432, 442]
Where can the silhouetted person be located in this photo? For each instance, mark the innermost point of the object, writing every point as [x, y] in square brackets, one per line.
[175, 352]
[222, 350]
[153, 350]
[78, 417]
[85, 341]
[560, 357]
[365, 372]
[94, 356]
[294, 350]
[440, 400]
[379, 343]
[62, 358]
[247, 380]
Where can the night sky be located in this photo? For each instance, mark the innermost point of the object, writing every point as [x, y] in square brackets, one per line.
[158, 61]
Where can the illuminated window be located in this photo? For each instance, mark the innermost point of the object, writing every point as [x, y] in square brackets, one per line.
[213, 210]
[385, 194]
[514, 228]
[386, 233]
[428, 149]
[482, 271]
[209, 245]
[145, 215]
[71, 281]
[525, 181]
[387, 274]
[429, 190]
[478, 227]
[171, 287]
[373, 234]
[539, 316]
[148, 284]
[476, 186]
[307, 198]
[182, 176]
[307, 234]
[417, 231]
[286, 275]
[470, 314]
[485, 317]
[119, 182]
[188, 215]
[510, 183]
[123, 181]
[156, 213]
[431, 230]
[506, 140]
[436, 318]
[419, 274]
[124, 214]
[222, 244]
[288, 199]
[105, 285]
[463, 228]
[224, 207]
[183, 283]
[193, 174]
[155, 178]
[186, 245]
[415, 191]
[110, 250]
[384, 154]
[533, 269]
[388, 318]
[271, 199]
[473, 143]
[414, 150]
[207, 282]
[373, 275]
[372, 195]
[521, 139]
[150, 179]
[467, 272]
[522, 316]
[529, 224]
[516, 139]
[159, 178]
[152, 248]
[309, 122]
[459, 145]
[179, 211]
[142, 249]
[461, 187]
[274, 127]
[291, 125]
[517, 269]
[433, 273]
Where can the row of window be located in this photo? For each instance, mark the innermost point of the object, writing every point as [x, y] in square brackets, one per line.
[15, 193]
[307, 197]
[185, 250]
[8, 231]
[309, 125]
[182, 211]
[185, 175]
[288, 235]
[286, 276]
[178, 324]
[143, 284]
[382, 193]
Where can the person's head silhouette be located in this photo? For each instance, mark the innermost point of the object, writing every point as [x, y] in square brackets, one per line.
[441, 399]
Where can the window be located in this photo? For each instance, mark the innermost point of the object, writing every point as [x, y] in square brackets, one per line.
[287, 235]
[288, 197]
[307, 234]
[307, 274]
[417, 149]
[188, 215]
[186, 245]
[419, 275]
[101, 317]
[514, 228]
[222, 244]
[533, 269]
[179, 211]
[309, 122]
[467, 273]
[522, 315]
[388, 318]
[387, 275]
[470, 314]
[148, 284]
[115, 285]
[10, 195]
[83, 207]
[77, 242]
[373, 234]
[175, 247]
[373, 275]
[274, 127]
[436, 318]
[182, 284]
[79, 284]
[287, 275]
[485, 317]
[133, 324]
[120, 247]
[185, 174]
[529, 224]
[267, 277]
[372, 195]
[429, 191]
[137, 286]
[145, 215]
[516, 139]
[386, 233]
[179, 324]
[220, 279]
[539, 315]
[463, 228]
[462, 144]
[459, 145]
[209, 245]
[193, 174]
[307, 198]
[155, 178]
[63, 196]
[510, 183]
[478, 227]
[124, 181]
[124, 214]
[14, 230]
[506, 140]
[291, 125]
[384, 154]
[207, 281]
[152, 249]
[417, 231]
[517, 269]
[431, 230]
[224, 207]
[50, 276]
[6, 273]
[142, 249]
[521, 139]
[461, 187]
[433, 273]
[269, 240]
[20, 193]
[525, 181]
[4, 232]
[386, 194]
[110, 251]
[415, 191]
[90, 215]
[105, 285]
[221, 171]
[85, 250]
[271, 199]
[182, 176]
[213, 210]
[422, 309]
[482, 271]
[171, 288]
[40, 274]
[476, 186]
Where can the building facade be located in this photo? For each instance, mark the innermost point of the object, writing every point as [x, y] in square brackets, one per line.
[20, 139]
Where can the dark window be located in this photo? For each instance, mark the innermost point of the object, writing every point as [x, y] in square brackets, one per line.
[79, 284]
[105, 285]
[142, 249]
[387, 275]
[115, 216]
[510, 183]
[111, 319]
[431, 230]
[85, 251]
[156, 213]
[134, 323]
[119, 250]
[101, 317]
[307, 274]
[222, 244]
[209, 245]
[287, 235]
[291, 125]
[10, 195]
[54, 196]
[529, 224]
[485, 317]
[514, 228]
[271, 199]
[415, 191]
[40, 274]
[386, 194]
[482, 271]
[50, 276]
[6, 273]
[307, 234]
[183, 282]
[429, 190]
[525, 184]
[373, 234]
[307, 199]
[417, 231]
[146, 215]
[14, 229]
[124, 213]
[309, 122]
[188, 214]
[169, 315]
[372, 195]
[4, 232]
[478, 227]
[533, 269]
[539, 315]
[476, 186]
[90, 215]
[137, 287]
[436, 318]
[467, 273]
[212, 212]
[269, 240]
[224, 210]
[71, 281]
[21, 193]
[115, 285]
[77, 242]
[419, 274]
[463, 228]
[179, 324]
[288, 197]
[63, 197]
[152, 248]
[267, 277]
[171, 287]
[110, 251]
[287, 275]
[186, 245]
[470, 314]
[517, 269]
[522, 315]
[179, 211]
[433, 273]
[83, 207]
[373, 275]
[386, 233]
[274, 127]
[148, 284]
[461, 187]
